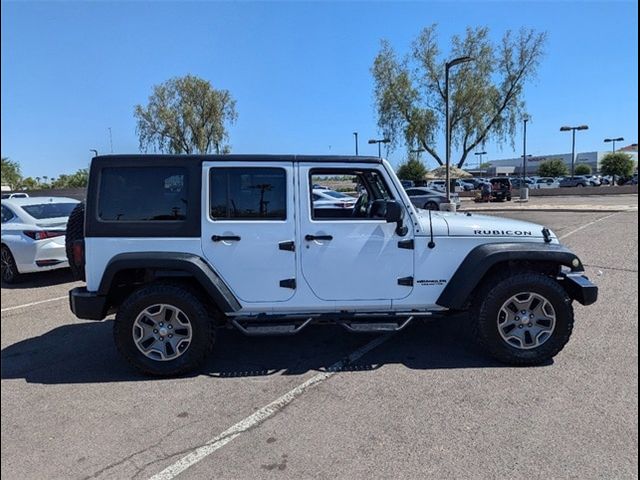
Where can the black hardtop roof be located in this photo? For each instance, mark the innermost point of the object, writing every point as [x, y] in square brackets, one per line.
[152, 158]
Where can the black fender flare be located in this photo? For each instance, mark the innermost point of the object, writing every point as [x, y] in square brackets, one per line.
[171, 264]
[483, 257]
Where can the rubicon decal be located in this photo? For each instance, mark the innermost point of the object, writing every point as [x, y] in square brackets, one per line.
[507, 233]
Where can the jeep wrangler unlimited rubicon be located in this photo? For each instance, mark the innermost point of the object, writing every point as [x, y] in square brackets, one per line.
[178, 246]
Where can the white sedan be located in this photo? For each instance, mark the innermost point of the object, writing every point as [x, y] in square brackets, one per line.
[324, 198]
[33, 233]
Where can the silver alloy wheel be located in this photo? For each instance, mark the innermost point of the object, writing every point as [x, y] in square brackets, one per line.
[162, 332]
[526, 320]
[7, 264]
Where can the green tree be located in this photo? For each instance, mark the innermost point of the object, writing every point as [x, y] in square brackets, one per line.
[486, 95]
[10, 173]
[186, 115]
[618, 163]
[75, 180]
[412, 169]
[582, 169]
[553, 168]
[29, 183]
[485, 165]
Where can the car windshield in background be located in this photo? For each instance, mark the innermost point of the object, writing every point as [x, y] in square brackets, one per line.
[42, 211]
[334, 194]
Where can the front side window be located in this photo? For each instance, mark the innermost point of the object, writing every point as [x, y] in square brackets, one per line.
[139, 194]
[248, 193]
[351, 195]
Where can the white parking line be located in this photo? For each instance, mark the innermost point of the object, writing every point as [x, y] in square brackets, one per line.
[33, 303]
[263, 414]
[588, 225]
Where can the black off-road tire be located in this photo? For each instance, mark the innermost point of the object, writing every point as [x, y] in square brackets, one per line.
[489, 300]
[10, 272]
[182, 297]
[75, 233]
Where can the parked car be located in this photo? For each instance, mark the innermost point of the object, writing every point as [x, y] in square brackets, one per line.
[516, 182]
[440, 185]
[320, 187]
[467, 185]
[576, 181]
[407, 183]
[14, 195]
[324, 198]
[173, 281]
[430, 199]
[500, 188]
[544, 182]
[33, 235]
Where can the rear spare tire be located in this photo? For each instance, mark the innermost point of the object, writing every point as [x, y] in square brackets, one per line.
[74, 242]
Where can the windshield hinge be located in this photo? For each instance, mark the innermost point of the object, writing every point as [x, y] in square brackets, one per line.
[408, 244]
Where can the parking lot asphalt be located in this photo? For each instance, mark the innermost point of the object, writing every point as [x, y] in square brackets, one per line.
[422, 403]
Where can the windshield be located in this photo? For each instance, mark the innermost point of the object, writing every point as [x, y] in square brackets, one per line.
[42, 211]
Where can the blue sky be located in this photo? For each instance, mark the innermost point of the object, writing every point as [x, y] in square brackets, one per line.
[298, 71]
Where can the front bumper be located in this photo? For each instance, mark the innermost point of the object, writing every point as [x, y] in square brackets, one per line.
[87, 305]
[580, 288]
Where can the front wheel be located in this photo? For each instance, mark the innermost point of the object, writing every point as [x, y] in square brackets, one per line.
[431, 206]
[164, 330]
[524, 319]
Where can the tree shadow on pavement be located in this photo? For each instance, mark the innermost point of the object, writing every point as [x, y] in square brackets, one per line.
[41, 279]
[85, 353]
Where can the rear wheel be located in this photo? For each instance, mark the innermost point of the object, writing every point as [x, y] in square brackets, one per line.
[431, 206]
[10, 272]
[525, 319]
[164, 330]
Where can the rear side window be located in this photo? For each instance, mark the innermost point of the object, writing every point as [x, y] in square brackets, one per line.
[248, 194]
[139, 194]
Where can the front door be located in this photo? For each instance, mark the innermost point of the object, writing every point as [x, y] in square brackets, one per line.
[248, 228]
[348, 252]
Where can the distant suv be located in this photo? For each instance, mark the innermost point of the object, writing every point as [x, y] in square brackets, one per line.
[500, 188]
[179, 246]
[578, 181]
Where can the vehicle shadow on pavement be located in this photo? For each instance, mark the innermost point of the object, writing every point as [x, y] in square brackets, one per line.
[41, 279]
[84, 353]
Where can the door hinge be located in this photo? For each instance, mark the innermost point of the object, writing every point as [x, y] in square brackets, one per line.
[290, 246]
[288, 283]
[408, 244]
[406, 281]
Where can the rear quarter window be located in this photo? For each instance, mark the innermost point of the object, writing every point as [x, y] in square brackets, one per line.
[143, 194]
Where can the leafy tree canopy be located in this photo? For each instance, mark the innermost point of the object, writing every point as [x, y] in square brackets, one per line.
[618, 163]
[10, 173]
[413, 169]
[186, 115]
[486, 94]
[582, 169]
[553, 168]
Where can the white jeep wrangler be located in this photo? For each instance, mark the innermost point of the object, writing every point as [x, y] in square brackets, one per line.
[178, 246]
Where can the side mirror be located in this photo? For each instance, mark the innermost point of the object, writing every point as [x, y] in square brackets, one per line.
[394, 214]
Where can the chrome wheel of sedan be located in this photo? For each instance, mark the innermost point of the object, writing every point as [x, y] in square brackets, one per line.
[526, 320]
[162, 332]
[9, 269]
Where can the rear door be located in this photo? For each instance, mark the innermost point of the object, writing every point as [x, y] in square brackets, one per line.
[248, 228]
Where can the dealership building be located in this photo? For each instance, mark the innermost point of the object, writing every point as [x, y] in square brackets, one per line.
[513, 166]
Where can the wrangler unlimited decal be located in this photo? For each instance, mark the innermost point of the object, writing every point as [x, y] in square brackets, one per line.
[503, 232]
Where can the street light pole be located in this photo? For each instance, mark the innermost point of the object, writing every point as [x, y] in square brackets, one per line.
[355, 134]
[573, 143]
[379, 141]
[95, 152]
[447, 140]
[480, 159]
[613, 140]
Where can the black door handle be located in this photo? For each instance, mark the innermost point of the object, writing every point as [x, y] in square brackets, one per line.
[220, 238]
[308, 238]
